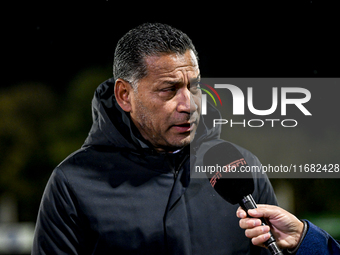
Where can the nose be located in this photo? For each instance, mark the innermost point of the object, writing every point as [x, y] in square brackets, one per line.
[186, 103]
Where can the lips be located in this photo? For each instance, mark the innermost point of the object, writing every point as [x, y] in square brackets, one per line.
[184, 127]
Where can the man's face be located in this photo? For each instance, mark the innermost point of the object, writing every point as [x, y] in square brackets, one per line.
[166, 109]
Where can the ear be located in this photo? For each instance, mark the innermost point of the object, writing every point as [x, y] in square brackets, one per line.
[123, 91]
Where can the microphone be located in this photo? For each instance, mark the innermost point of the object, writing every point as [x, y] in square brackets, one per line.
[226, 174]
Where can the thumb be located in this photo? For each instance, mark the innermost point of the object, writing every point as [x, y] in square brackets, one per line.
[265, 211]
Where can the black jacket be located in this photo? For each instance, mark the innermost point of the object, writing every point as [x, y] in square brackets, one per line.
[116, 195]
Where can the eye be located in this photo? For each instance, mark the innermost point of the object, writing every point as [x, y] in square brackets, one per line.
[172, 88]
[194, 87]
[168, 92]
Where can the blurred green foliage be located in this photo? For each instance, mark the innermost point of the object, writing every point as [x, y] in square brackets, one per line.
[24, 111]
[38, 129]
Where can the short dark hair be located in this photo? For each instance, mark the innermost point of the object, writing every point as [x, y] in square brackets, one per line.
[148, 39]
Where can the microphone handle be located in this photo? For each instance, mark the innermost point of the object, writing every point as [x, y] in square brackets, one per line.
[249, 203]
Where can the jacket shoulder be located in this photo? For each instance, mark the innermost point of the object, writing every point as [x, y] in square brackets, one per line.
[249, 156]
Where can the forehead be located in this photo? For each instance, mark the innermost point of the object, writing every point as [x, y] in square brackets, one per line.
[172, 65]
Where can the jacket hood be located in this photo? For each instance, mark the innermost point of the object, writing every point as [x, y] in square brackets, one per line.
[113, 127]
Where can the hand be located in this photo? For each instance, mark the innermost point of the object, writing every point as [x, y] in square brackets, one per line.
[285, 227]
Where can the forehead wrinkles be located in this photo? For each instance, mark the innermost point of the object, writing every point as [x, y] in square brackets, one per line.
[171, 65]
[182, 75]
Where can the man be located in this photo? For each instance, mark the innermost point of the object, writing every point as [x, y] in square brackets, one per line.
[129, 190]
[297, 237]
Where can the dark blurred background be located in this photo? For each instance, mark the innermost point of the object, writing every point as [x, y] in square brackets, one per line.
[53, 60]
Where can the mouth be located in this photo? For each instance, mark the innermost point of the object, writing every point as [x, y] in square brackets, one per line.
[184, 127]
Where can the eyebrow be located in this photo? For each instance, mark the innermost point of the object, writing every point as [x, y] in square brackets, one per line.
[174, 82]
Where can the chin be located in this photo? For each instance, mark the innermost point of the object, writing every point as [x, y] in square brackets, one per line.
[184, 142]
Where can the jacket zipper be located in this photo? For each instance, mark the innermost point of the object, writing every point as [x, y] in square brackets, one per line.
[176, 174]
[179, 167]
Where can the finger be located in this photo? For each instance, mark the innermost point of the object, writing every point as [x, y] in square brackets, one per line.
[259, 240]
[240, 213]
[257, 231]
[265, 211]
[249, 223]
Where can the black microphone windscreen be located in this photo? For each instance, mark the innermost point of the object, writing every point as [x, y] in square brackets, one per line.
[227, 172]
